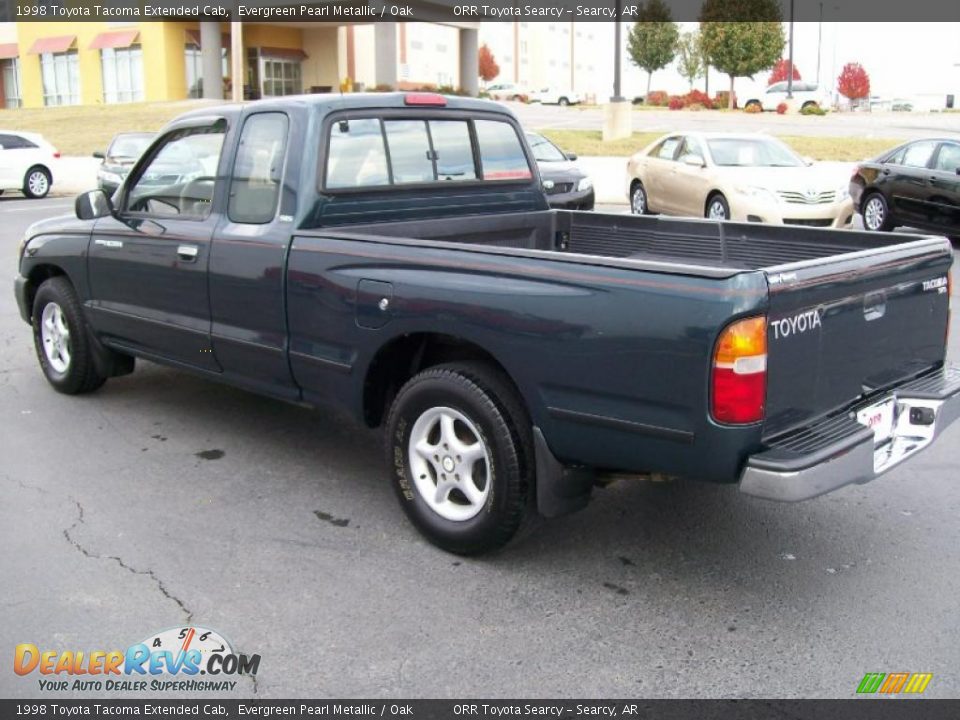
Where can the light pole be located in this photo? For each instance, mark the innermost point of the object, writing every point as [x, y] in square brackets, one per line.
[819, 41]
[790, 60]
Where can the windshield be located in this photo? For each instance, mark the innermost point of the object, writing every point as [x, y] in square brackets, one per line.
[543, 149]
[129, 146]
[752, 152]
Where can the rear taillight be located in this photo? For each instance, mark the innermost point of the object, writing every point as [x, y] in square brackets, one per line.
[739, 375]
[946, 339]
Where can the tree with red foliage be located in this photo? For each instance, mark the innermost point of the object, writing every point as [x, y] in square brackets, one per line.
[854, 83]
[781, 71]
[488, 66]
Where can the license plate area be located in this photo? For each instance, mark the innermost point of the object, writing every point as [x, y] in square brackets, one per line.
[881, 418]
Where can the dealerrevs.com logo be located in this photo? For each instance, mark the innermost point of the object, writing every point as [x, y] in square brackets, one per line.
[179, 659]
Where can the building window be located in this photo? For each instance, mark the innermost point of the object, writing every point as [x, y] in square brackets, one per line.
[61, 78]
[12, 96]
[280, 76]
[122, 74]
[194, 63]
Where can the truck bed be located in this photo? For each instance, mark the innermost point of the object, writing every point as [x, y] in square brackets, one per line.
[691, 244]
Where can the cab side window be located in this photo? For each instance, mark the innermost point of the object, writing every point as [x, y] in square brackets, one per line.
[180, 179]
[258, 169]
[918, 155]
[667, 149]
[948, 159]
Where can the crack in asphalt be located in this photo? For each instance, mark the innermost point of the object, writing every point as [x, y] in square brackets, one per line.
[188, 614]
[68, 536]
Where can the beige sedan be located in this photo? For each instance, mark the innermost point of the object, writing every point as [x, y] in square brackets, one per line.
[747, 178]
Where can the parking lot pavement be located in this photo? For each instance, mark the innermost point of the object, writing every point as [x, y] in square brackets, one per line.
[164, 499]
[848, 124]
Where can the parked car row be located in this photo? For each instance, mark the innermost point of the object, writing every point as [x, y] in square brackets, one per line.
[757, 178]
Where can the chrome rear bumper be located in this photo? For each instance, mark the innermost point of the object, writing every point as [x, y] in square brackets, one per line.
[839, 451]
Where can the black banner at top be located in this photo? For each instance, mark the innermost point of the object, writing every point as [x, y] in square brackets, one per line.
[465, 11]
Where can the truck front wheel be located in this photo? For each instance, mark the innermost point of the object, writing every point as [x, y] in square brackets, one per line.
[60, 337]
[460, 454]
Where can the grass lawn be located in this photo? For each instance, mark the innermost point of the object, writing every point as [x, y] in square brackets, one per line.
[81, 129]
[848, 149]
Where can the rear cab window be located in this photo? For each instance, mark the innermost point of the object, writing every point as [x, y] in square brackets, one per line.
[397, 151]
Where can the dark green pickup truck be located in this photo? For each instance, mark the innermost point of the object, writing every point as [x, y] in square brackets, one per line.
[395, 254]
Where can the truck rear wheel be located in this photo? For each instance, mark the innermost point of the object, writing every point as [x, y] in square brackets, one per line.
[60, 337]
[460, 453]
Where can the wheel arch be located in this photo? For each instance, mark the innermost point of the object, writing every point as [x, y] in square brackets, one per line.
[711, 194]
[404, 356]
[39, 274]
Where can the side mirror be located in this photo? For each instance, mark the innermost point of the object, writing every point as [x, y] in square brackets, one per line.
[92, 204]
[99, 155]
[693, 160]
[571, 156]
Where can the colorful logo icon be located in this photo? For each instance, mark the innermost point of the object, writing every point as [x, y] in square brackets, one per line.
[894, 683]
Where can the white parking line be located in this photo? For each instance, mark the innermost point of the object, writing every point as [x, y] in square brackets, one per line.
[32, 207]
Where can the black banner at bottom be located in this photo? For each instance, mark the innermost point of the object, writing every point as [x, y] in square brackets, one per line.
[854, 709]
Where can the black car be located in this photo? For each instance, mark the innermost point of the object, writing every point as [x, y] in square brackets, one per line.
[916, 184]
[123, 152]
[565, 184]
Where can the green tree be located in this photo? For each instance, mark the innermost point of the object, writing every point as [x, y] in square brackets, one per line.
[652, 43]
[741, 49]
[690, 60]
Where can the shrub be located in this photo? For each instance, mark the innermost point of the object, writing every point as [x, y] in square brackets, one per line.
[696, 97]
[753, 109]
[382, 87]
[781, 108]
[658, 98]
[812, 110]
[696, 107]
[675, 103]
[723, 99]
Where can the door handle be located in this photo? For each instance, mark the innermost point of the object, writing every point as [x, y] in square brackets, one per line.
[187, 253]
[108, 243]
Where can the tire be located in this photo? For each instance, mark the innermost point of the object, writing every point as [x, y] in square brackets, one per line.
[876, 213]
[61, 340]
[36, 182]
[639, 204]
[717, 208]
[563, 102]
[478, 409]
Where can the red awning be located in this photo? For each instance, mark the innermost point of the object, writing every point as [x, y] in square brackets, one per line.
[288, 53]
[58, 44]
[8, 50]
[116, 39]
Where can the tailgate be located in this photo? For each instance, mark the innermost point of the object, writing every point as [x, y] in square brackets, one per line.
[851, 325]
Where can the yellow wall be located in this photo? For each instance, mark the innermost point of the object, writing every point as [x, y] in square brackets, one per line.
[164, 64]
[321, 67]
[91, 80]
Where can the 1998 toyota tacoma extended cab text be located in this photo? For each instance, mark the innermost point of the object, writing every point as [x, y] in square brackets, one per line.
[394, 254]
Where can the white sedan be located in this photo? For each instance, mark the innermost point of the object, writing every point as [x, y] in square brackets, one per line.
[555, 96]
[27, 162]
[747, 177]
